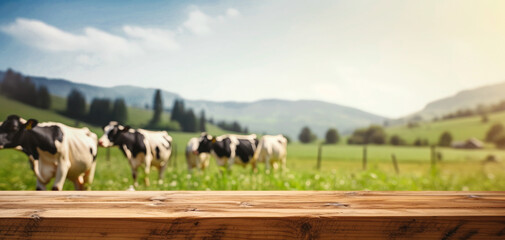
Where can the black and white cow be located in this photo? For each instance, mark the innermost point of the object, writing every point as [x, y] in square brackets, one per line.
[195, 159]
[55, 150]
[141, 147]
[227, 148]
[272, 150]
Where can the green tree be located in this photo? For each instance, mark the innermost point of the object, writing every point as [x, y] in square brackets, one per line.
[397, 140]
[306, 135]
[43, 98]
[157, 107]
[9, 85]
[374, 134]
[332, 136]
[189, 122]
[445, 139]
[418, 142]
[76, 104]
[119, 111]
[178, 111]
[236, 127]
[496, 130]
[202, 121]
[500, 141]
[19, 88]
[100, 111]
[8, 75]
[28, 93]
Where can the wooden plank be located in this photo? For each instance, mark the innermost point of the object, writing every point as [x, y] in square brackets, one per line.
[252, 215]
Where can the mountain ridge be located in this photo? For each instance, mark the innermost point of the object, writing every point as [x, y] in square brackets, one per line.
[464, 99]
[270, 116]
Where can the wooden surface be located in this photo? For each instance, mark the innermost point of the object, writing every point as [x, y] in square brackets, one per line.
[252, 215]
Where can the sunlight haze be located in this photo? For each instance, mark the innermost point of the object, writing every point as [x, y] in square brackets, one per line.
[385, 57]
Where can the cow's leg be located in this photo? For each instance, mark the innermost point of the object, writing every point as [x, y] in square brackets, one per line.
[205, 162]
[161, 173]
[61, 174]
[40, 186]
[221, 163]
[89, 176]
[267, 163]
[78, 184]
[230, 162]
[146, 177]
[134, 176]
[147, 170]
[275, 164]
[189, 161]
[253, 164]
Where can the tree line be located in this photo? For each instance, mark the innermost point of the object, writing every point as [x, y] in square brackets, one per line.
[189, 122]
[232, 126]
[331, 137]
[22, 89]
[101, 110]
[187, 118]
[481, 109]
[374, 134]
[496, 135]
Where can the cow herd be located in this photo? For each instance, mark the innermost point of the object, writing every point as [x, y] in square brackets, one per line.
[61, 152]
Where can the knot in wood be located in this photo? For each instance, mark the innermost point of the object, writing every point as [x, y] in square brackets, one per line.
[337, 204]
[245, 204]
[158, 199]
[35, 217]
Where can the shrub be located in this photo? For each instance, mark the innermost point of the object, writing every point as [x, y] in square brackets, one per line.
[332, 136]
[445, 139]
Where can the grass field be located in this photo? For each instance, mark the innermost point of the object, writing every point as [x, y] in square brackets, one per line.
[460, 128]
[341, 164]
[341, 170]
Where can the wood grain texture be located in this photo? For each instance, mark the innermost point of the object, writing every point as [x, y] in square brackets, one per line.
[252, 215]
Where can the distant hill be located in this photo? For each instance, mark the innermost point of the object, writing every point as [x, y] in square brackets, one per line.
[9, 107]
[288, 117]
[266, 116]
[470, 98]
[460, 128]
[134, 96]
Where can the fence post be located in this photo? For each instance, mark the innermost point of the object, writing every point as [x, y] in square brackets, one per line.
[395, 163]
[364, 157]
[319, 153]
[174, 160]
[433, 155]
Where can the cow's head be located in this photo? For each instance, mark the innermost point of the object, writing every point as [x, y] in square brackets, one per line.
[205, 143]
[112, 131]
[12, 128]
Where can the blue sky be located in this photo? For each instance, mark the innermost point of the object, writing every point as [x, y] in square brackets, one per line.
[387, 57]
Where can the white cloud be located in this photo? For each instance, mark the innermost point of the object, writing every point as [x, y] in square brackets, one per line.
[198, 22]
[93, 46]
[85, 60]
[152, 38]
[46, 37]
[232, 12]
[43, 36]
